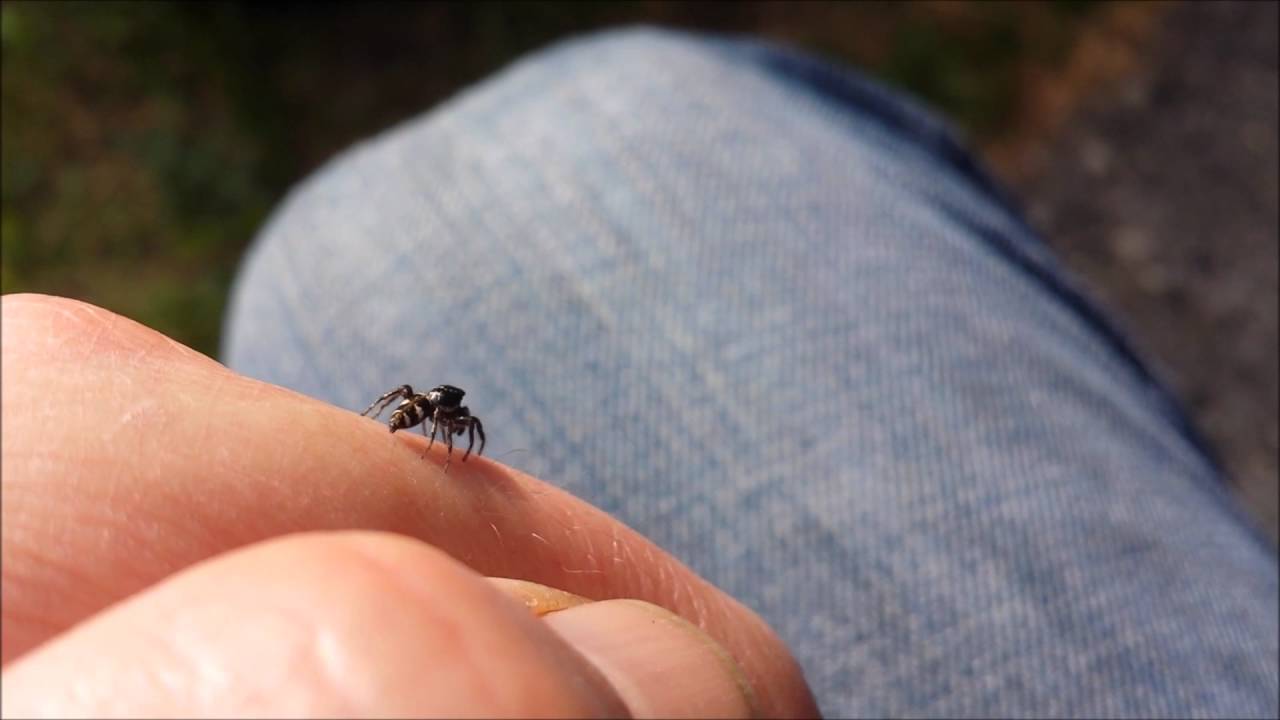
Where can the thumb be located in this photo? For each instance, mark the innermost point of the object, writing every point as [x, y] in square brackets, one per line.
[659, 664]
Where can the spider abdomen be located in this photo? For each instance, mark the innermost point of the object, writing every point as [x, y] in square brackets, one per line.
[410, 413]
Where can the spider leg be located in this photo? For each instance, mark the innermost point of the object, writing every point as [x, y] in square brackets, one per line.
[404, 391]
[448, 441]
[423, 426]
[473, 425]
[479, 428]
[435, 423]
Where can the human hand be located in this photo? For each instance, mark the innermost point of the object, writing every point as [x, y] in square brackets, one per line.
[146, 490]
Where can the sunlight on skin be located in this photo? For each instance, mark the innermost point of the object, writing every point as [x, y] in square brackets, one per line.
[88, 395]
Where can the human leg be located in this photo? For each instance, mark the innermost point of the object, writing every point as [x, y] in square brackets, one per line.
[776, 320]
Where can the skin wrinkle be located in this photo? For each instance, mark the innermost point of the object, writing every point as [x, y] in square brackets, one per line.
[133, 412]
[140, 530]
[315, 643]
[95, 508]
[217, 395]
[32, 617]
[139, 679]
[20, 551]
[64, 324]
[494, 685]
[443, 624]
[294, 642]
[338, 668]
[331, 659]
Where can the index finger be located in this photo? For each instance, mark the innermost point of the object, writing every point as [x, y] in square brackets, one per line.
[128, 457]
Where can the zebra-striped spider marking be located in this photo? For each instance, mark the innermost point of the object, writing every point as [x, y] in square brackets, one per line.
[442, 405]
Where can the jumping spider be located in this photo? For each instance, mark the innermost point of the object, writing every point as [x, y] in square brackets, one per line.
[442, 405]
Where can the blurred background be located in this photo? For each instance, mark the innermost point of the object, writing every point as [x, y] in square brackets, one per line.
[143, 144]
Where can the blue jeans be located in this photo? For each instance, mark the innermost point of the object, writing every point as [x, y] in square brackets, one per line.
[772, 316]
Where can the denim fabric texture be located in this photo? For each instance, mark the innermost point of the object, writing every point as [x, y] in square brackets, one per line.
[775, 318]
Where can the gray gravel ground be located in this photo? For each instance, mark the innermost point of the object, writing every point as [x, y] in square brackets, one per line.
[1162, 194]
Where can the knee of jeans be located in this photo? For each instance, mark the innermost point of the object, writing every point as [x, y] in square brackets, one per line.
[640, 42]
[642, 47]
[651, 78]
[640, 71]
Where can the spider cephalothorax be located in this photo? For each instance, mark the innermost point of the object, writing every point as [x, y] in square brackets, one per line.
[442, 405]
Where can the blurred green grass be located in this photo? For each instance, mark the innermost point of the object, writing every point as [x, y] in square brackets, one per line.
[143, 143]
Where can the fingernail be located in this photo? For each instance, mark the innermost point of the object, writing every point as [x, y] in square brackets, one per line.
[659, 664]
[540, 599]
